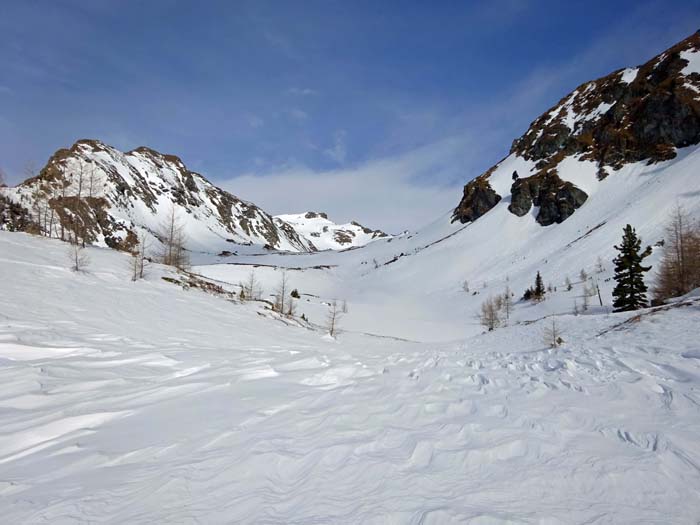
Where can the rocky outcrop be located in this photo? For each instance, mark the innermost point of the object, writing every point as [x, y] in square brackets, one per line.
[635, 114]
[315, 215]
[15, 217]
[479, 197]
[104, 196]
[557, 200]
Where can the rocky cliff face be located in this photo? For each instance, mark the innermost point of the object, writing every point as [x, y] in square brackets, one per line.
[635, 114]
[557, 200]
[479, 197]
[109, 197]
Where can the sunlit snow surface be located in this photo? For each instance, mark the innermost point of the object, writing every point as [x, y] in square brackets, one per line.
[141, 402]
[127, 402]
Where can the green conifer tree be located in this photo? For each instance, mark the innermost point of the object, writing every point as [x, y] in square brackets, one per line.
[630, 291]
[539, 291]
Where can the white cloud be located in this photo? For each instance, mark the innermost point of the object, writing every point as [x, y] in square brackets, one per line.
[297, 114]
[395, 193]
[302, 91]
[338, 151]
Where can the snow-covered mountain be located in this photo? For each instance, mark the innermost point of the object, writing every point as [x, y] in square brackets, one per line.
[641, 114]
[113, 196]
[325, 234]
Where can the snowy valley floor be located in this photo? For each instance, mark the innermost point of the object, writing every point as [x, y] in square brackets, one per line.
[126, 402]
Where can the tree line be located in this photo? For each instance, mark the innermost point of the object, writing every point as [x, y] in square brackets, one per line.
[678, 273]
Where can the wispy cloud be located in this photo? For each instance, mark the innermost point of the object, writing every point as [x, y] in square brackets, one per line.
[338, 151]
[394, 193]
[297, 114]
[304, 92]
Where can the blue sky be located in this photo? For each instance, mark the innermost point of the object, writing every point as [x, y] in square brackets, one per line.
[378, 111]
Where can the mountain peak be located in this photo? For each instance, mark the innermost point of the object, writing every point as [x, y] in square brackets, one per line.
[125, 194]
[325, 234]
[635, 114]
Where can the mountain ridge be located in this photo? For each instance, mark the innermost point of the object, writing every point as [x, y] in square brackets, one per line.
[633, 114]
[325, 234]
[122, 194]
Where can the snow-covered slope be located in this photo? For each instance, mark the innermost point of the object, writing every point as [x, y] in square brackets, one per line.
[324, 234]
[491, 246]
[113, 196]
[140, 402]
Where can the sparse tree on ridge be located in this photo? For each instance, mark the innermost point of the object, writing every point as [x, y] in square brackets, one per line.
[78, 258]
[538, 291]
[138, 263]
[251, 289]
[507, 302]
[498, 302]
[630, 291]
[333, 318]
[551, 335]
[172, 235]
[281, 302]
[679, 270]
[489, 316]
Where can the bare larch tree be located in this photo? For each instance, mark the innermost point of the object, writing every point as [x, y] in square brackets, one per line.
[333, 318]
[489, 316]
[679, 271]
[173, 239]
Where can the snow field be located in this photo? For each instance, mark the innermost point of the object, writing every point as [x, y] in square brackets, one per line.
[145, 403]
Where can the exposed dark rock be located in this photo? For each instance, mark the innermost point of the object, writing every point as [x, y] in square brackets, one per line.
[376, 234]
[479, 197]
[556, 198]
[15, 217]
[314, 215]
[645, 119]
[343, 236]
[521, 197]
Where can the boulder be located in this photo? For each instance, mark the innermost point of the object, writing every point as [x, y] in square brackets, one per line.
[479, 197]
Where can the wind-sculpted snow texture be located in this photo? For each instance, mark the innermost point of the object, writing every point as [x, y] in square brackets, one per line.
[127, 402]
